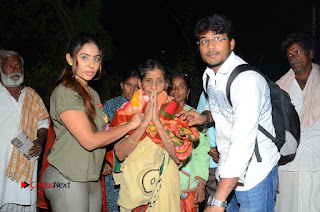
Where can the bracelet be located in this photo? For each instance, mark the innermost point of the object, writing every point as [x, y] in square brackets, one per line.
[205, 124]
[214, 202]
[167, 141]
[131, 140]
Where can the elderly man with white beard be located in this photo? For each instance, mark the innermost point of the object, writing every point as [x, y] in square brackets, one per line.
[21, 108]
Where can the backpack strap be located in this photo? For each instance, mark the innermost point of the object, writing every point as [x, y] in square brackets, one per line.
[266, 133]
[257, 152]
[239, 69]
[212, 124]
[206, 91]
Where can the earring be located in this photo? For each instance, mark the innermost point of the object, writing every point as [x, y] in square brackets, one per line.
[187, 97]
[70, 64]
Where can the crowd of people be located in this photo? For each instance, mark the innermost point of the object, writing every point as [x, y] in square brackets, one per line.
[147, 150]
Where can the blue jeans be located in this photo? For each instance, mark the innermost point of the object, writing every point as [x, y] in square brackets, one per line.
[260, 198]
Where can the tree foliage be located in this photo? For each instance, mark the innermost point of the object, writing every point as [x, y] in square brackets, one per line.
[39, 30]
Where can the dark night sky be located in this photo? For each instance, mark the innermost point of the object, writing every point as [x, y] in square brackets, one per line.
[143, 29]
[160, 29]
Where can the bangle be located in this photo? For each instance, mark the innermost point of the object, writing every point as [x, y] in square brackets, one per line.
[206, 122]
[131, 140]
[167, 141]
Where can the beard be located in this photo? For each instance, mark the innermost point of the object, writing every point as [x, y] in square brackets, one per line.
[218, 60]
[297, 67]
[9, 82]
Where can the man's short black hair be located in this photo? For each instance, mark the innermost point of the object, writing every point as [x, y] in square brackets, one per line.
[304, 39]
[215, 23]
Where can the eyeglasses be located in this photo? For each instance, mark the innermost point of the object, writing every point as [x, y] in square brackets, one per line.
[215, 40]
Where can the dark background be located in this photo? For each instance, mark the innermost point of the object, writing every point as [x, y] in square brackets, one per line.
[157, 29]
[143, 29]
[132, 31]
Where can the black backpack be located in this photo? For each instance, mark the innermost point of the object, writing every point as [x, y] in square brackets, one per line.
[284, 117]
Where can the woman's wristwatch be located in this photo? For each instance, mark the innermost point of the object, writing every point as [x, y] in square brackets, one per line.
[213, 202]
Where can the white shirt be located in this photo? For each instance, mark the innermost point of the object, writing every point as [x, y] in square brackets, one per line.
[237, 126]
[10, 114]
[308, 153]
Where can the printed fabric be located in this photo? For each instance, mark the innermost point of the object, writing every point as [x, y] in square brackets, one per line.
[149, 180]
[111, 106]
[179, 131]
[20, 169]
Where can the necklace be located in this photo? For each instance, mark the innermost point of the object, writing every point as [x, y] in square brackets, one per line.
[302, 80]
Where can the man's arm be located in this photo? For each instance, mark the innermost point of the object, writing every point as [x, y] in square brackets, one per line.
[42, 134]
[226, 185]
[38, 143]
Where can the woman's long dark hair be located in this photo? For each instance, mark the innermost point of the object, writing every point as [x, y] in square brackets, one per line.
[67, 76]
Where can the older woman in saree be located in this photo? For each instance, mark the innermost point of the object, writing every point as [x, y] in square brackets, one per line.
[147, 159]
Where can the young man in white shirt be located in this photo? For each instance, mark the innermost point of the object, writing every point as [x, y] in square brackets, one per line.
[250, 185]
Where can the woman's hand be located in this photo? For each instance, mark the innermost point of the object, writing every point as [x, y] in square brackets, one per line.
[106, 169]
[136, 120]
[199, 193]
[148, 111]
[155, 109]
[214, 154]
